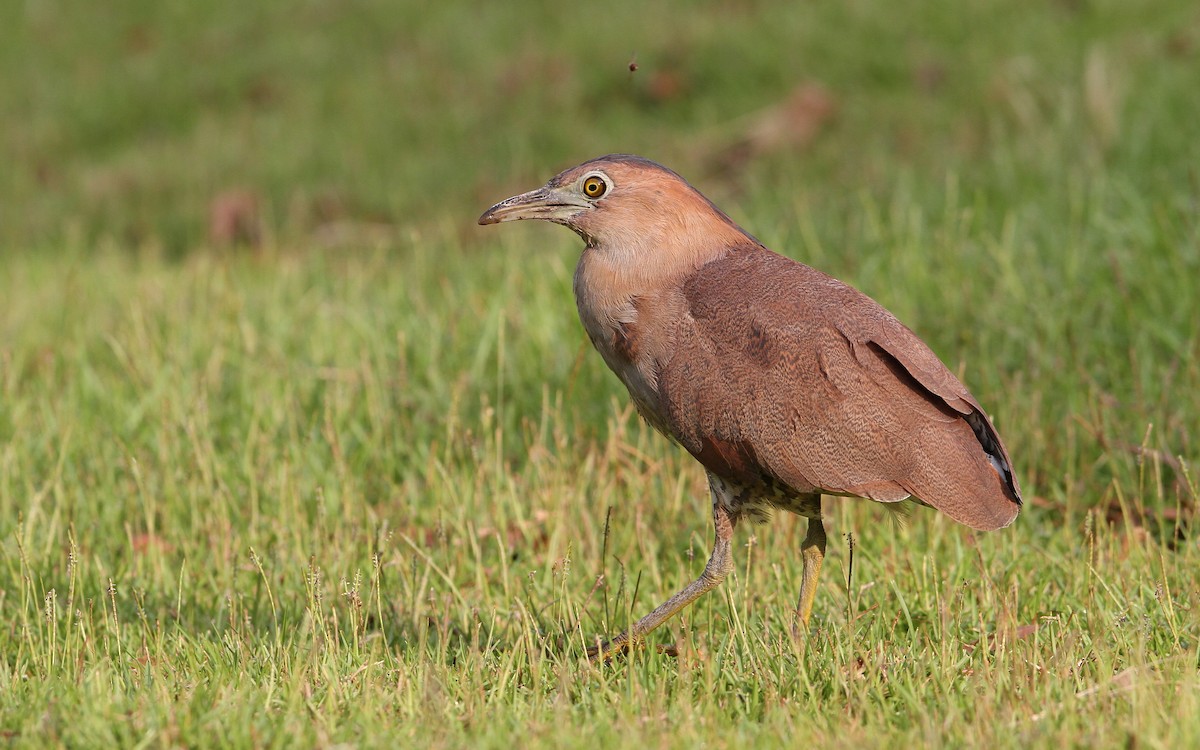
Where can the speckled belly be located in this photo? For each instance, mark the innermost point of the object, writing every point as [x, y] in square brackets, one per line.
[756, 502]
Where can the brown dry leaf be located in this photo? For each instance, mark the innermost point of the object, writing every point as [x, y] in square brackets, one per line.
[665, 85]
[1038, 501]
[234, 217]
[1180, 45]
[143, 543]
[518, 537]
[873, 662]
[791, 124]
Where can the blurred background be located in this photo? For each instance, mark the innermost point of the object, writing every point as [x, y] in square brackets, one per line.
[173, 127]
[1018, 181]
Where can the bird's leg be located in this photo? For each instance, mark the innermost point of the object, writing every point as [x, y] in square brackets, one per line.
[812, 552]
[719, 565]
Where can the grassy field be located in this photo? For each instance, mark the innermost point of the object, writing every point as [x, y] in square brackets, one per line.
[351, 476]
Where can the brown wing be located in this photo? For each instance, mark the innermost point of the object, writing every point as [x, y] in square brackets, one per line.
[795, 375]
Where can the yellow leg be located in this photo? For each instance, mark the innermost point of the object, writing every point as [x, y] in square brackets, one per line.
[719, 565]
[812, 552]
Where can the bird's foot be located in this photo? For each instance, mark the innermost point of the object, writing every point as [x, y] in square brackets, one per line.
[605, 652]
[803, 630]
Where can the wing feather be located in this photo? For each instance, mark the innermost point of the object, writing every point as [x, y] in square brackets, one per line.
[820, 387]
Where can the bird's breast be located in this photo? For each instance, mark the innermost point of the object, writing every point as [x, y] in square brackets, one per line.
[626, 348]
[628, 331]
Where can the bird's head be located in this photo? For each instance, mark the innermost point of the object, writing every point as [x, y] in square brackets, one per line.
[621, 201]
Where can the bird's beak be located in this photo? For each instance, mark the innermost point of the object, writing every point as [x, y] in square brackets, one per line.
[556, 204]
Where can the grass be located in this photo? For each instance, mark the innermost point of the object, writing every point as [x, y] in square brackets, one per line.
[369, 487]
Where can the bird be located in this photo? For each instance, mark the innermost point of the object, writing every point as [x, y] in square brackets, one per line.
[784, 383]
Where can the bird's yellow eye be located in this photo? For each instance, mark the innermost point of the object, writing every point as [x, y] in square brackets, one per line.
[594, 187]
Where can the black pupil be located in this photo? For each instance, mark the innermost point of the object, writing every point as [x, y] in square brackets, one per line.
[593, 187]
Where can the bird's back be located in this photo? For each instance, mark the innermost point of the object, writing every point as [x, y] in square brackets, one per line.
[780, 373]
